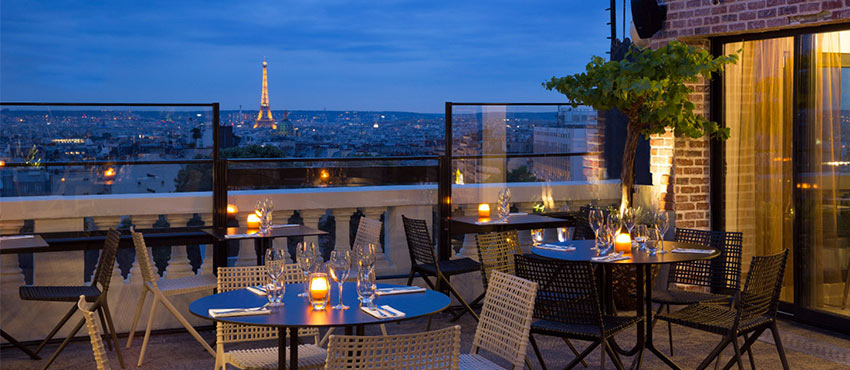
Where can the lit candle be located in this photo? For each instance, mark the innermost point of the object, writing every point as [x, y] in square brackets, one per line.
[253, 221]
[483, 210]
[319, 291]
[623, 243]
[232, 210]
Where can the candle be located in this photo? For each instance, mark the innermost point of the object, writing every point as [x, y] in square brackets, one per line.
[253, 221]
[319, 291]
[483, 210]
[232, 210]
[623, 243]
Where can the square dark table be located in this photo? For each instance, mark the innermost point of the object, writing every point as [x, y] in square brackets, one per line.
[14, 244]
[262, 241]
[471, 225]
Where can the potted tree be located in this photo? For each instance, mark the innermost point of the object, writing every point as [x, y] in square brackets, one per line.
[650, 87]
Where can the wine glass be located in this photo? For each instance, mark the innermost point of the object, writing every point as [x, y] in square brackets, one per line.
[564, 234]
[366, 254]
[629, 218]
[274, 268]
[596, 218]
[537, 236]
[654, 241]
[662, 223]
[366, 287]
[306, 256]
[641, 234]
[615, 223]
[340, 268]
[605, 240]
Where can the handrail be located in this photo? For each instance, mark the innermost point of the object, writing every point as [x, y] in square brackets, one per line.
[65, 104]
[107, 163]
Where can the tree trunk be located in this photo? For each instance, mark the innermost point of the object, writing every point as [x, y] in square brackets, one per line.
[627, 175]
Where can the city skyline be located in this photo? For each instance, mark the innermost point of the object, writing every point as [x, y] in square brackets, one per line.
[401, 56]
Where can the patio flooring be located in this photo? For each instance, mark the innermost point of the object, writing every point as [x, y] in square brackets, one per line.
[806, 348]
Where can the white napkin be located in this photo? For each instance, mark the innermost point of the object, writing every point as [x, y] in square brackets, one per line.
[13, 237]
[490, 222]
[383, 312]
[518, 214]
[258, 290]
[227, 312]
[286, 225]
[555, 247]
[692, 250]
[230, 236]
[610, 258]
[399, 290]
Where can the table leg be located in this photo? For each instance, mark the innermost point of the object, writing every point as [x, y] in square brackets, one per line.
[640, 283]
[293, 348]
[20, 346]
[648, 321]
[361, 330]
[349, 330]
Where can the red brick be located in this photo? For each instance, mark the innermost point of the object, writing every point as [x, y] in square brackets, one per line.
[701, 224]
[785, 10]
[746, 16]
[711, 20]
[734, 8]
[737, 27]
[835, 4]
[703, 206]
[814, 7]
[693, 22]
[767, 13]
[702, 12]
[754, 25]
[693, 3]
[755, 5]
[778, 22]
[685, 224]
[729, 18]
[698, 197]
[691, 171]
[775, 2]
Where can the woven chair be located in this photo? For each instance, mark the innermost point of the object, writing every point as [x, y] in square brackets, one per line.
[368, 232]
[753, 311]
[94, 335]
[505, 323]
[310, 356]
[424, 262]
[95, 293]
[433, 350]
[161, 289]
[720, 275]
[567, 306]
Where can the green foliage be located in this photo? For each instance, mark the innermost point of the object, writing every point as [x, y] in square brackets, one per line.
[520, 174]
[650, 87]
[198, 177]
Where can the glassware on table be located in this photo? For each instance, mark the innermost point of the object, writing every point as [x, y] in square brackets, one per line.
[264, 212]
[605, 241]
[274, 269]
[596, 219]
[366, 254]
[320, 289]
[614, 222]
[653, 243]
[537, 236]
[662, 224]
[564, 234]
[629, 218]
[307, 256]
[366, 287]
[641, 234]
[504, 205]
[340, 267]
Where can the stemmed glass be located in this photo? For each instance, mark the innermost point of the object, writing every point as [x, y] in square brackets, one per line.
[629, 218]
[596, 219]
[537, 236]
[615, 224]
[662, 223]
[307, 257]
[274, 268]
[641, 235]
[340, 267]
[366, 256]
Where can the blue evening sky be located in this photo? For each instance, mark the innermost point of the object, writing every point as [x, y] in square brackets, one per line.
[357, 55]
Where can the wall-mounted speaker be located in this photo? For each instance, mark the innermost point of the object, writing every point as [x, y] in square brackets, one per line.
[648, 17]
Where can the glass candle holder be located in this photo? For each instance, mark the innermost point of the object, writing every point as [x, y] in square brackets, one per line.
[320, 290]
[623, 243]
[483, 210]
[253, 221]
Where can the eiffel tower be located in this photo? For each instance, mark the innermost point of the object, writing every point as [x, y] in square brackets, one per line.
[264, 119]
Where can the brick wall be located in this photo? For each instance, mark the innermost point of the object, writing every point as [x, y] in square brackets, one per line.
[680, 166]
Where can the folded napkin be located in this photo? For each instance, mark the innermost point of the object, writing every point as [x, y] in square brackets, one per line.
[555, 247]
[692, 250]
[251, 235]
[286, 225]
[383, 312]
[490, 222]
[399, 290]
[227, 312]
[13, 237]
[610, 258]
[518, 214]
[258, 290]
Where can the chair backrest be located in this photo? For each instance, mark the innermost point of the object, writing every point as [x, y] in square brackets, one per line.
[235, 278]
[438, 349]
[94, 335]
[144, 259]
[368, 231]
[760, 296]
[566, 290]
[506, 318]
[418, 241]
[106, 262]
[582, 229]
[723, 273]
[496, 253]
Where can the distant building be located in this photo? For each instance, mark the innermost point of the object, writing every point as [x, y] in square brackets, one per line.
[569, 136]
[264, 118]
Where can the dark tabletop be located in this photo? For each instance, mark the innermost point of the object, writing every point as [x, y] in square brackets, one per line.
[583, 253]
[296, 311]
[22, 245]
[277, 232]
[470, 225]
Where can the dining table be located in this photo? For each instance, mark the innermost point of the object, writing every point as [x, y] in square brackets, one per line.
[263, 240]
[14, 244]
[296, 312]
[582, 250]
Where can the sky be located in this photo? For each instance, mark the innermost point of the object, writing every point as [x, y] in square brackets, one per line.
[394, 55]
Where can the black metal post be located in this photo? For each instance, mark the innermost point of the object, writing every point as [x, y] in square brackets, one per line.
[219, 206]
[444, 192]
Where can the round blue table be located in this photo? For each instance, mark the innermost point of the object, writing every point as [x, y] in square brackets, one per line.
[297, 313]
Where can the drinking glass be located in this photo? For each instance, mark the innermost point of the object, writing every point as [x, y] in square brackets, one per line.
[340, 268]
[654, 242]
[596, 218]
[641, 234]
[366, 255]
[307, 255]
[662, 223]
[537, 236]
[263, 211]
[629, 218]
[366, 287]
[564, 234]
[614, 222]
[274, 269]
[605, 241]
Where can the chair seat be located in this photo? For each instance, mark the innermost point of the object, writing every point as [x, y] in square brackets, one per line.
[450, 267]
[309, 357]
[714, 318]
[59, 293]
[187, 284]
[683, 297]
[612, 325]
[476, 362]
